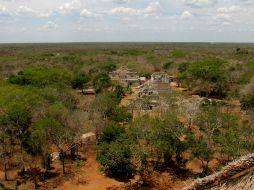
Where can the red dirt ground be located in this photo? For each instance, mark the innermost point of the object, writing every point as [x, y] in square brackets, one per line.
[91, 176]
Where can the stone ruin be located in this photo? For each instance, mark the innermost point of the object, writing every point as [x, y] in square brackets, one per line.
[127, 77]
[148, 90]
[149, 93]
[159, 82]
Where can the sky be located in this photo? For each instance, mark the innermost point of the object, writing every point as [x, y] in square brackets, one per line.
[28, 21]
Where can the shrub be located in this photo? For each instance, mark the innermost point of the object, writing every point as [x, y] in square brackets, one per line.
[178, 54]
[119, 93]
[109, 67]
[209, 70]
[101, 82]
[183, 67]
[105, 104]
[110, 133]
[12, 95]
[134, 52]
[247, 101]
[113, 153]
[167, 65]
[79, 81]
[115, 158]
[202, 151]
[121, 114]
[41, 77]
[208, 77]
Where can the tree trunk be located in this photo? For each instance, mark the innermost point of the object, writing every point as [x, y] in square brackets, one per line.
[5, 172]
[36, 185]
[48, 162]
[23, 169]
[73, 152]
[228, 159]
[206, 168]
[63, 164]
[17, 185]
[167, 159]
[190, 123]
[179, 159]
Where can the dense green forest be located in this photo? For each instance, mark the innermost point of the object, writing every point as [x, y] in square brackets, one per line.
[44, 109]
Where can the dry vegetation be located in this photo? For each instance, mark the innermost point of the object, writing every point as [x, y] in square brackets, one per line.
[204, 123]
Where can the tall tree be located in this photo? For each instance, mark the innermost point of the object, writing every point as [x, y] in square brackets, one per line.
[15, 123]
[80, 81]
[6, 150]
[101, 82]
[113, 151]
[210, 121]
[62, 129]
[202, 151]
[208, 77]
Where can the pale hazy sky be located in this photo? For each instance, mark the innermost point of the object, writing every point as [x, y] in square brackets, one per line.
[126, 20]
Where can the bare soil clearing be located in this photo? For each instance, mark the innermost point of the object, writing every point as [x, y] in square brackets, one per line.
[91, 177]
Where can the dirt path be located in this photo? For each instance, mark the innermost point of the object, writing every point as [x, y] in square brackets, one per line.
[91, 176]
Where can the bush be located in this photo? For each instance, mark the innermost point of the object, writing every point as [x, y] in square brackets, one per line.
[110, 133]
[121, 114]
[202, 151]
[12, 95]
[134, 52]
[72, 60]
[119, 93]
[108, 67]
[2, 187]
[209, 70]
[115, 158]
[105, 104]
[247, 101]
[183, 67]
[208, 78]
[167, 65]
[41, 77]
[101, 82]
[79, 81]
[178, 54]
[113, 152]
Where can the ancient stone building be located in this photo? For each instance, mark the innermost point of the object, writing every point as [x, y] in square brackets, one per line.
[127, 77]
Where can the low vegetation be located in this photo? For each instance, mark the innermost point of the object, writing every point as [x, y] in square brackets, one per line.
[44, 111]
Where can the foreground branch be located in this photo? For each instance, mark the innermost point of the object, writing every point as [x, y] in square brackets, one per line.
[236, 169]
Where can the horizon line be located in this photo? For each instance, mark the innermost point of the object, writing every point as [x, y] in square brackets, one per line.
[127, 42]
